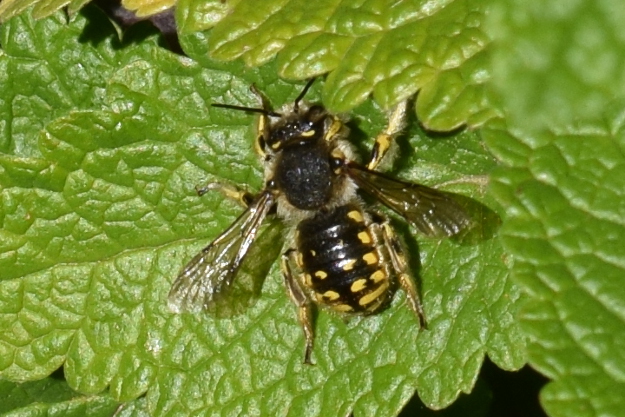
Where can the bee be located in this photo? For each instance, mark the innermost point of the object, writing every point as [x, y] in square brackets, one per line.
[339, 253]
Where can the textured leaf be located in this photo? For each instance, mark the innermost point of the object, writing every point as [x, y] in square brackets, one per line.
[437, 48]
[41, 9]
[99, 212]
[148, 7]
[560, 64]
[52, 75]
[566, 233]
[564, 184]
[51, 397]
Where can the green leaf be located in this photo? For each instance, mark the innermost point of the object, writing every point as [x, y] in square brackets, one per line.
[560, 77]
[99, 213]
[559, 64]
[144, 8]
[68, 73]
[368, 48]
[41, 8]
[565, 231]
[51, 397]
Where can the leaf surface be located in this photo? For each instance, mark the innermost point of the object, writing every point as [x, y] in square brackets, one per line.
[99, 213]
[562, 146]
[51, 397]
[436, 48]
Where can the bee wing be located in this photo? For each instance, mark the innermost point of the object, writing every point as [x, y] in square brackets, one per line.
[210, 273]
[432, 212]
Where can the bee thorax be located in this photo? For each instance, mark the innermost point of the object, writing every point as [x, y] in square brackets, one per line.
[304, 175]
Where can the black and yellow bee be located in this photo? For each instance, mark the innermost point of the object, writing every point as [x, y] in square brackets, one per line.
[339, 253]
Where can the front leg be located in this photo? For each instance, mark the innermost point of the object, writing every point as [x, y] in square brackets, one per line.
[245, 198]
[262, 128]
[384, 141]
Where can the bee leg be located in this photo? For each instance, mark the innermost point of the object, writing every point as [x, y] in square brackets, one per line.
[384, 141]
[400, 265]
[300, 299]
[242, 197]
[262, 128]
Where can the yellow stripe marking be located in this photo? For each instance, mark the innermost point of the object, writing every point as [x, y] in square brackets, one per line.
[364, 237]
[342, 308]
[370, 258]
[321, 274]
[373, 307]
[378, 276]
[355, 214]
[313, 252]
[349, 265]
[358, 285]
[331, 295]
[300, 259]
[308, 133]
[373, 295]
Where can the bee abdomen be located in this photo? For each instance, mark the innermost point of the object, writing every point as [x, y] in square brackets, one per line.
[341, 263]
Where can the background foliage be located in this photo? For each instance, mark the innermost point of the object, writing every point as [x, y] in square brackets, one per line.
[103, 141]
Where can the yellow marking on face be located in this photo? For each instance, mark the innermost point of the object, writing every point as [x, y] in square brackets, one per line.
[370, 258]
[378, 276]
[331, 295]
[308, 133]
[313, 252]
[308, 280]
[358, 285]
[321, 274]
[342, 308]
[349, 265]
[355, 214]
[275, 145]
[364, 237]
[373, 295]
[300, 259]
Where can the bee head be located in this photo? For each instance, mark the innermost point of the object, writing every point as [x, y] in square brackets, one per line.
[304, 125]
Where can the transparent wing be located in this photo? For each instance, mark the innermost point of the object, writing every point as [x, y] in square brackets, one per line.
[432, 212]
[209, 274]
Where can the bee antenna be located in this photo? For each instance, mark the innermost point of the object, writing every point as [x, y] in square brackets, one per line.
[302, 94]
[250, 109]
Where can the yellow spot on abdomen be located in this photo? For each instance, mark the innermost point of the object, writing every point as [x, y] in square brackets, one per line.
[370, 258]
[328, 295]
[373, 295]
[364, 237]
[349, 265]
[321, 274]
[356, 215]
[377, 276]
[342, 308]
[358, 285]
